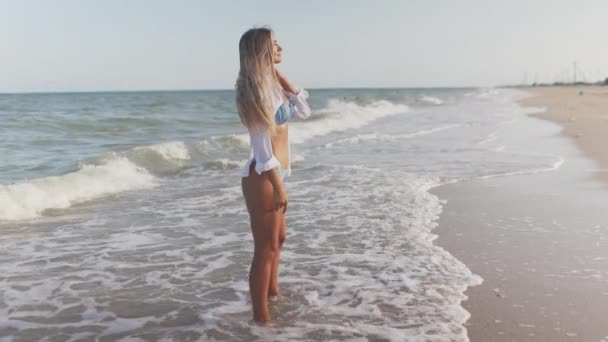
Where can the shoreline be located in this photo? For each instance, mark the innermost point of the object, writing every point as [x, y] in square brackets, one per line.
[582, 111]
[538, 240]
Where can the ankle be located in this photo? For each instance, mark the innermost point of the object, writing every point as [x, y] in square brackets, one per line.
[262, 318]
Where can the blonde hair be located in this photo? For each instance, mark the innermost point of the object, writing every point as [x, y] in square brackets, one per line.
[256, 84]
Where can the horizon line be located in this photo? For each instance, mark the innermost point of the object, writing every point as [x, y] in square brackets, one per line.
[109, 91]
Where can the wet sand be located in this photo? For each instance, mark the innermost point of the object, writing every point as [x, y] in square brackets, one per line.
[540, 241]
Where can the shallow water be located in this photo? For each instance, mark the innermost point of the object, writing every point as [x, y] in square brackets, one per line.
[122, 214]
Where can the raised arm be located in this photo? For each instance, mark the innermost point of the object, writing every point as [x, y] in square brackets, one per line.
[296, 96]
[284, 82]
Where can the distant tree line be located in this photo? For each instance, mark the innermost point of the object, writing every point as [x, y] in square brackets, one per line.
[602, 83]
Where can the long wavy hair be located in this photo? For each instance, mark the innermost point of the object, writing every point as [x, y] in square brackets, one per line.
[256, 84]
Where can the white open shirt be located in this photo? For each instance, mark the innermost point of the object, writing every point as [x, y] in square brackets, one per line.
[259, 140]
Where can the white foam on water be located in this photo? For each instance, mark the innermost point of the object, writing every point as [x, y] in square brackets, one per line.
[364, 256]
[360, 138]
[431, 100]
[110, 173]
[224, 164]
[175, 150]
[550, 168]
[29, 199]
[297, 158]
[340, 116]
[237, 140]
[359, 263]
[337, 116]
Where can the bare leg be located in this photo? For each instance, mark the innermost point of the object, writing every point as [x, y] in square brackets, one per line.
[259, 278]
[265, 225]
[273, 290]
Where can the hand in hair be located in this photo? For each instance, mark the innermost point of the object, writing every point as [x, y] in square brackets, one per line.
[284, 82]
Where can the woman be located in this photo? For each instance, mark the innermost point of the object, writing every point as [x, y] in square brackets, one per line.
[266, 100]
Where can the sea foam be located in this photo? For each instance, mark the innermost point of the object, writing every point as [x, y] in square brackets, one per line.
[30, 198]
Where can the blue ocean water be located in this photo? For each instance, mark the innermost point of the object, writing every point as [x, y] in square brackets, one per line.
[122, 213]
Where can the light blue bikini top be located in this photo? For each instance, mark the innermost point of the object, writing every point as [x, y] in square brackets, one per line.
[284, 113]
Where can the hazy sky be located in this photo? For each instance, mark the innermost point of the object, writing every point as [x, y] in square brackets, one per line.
[83, 45]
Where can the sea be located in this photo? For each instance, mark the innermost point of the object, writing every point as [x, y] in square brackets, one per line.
[122, 216]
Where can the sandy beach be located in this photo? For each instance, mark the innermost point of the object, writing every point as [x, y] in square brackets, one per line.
[583, 112]
[539, 240]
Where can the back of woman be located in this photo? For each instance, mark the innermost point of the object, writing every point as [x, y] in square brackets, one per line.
[266, 102]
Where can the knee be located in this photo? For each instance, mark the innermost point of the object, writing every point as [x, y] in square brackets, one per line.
[267, 253]
[282, 239]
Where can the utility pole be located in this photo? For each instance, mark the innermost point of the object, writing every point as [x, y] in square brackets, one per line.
[574, 72]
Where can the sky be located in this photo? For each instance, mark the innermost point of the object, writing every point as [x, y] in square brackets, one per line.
[91, 45]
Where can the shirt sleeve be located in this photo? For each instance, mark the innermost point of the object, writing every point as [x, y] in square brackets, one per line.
[302, 109]
[261, 146]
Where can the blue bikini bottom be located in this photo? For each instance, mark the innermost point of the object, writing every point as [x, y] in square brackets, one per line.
[282, 172]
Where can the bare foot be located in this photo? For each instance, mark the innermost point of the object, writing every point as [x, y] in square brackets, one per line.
[264, 323]
[273, 293]
[262, 320]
